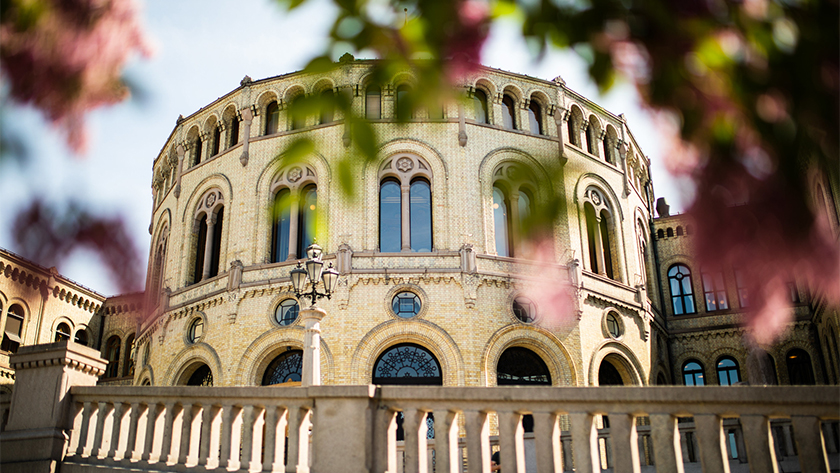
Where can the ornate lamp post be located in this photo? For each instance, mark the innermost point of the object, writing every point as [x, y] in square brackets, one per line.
[314, 273]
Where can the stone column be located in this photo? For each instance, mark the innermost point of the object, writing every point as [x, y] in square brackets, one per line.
[405, 191]
[180, 151]
[462, 126]
[247, 117]
[34, 439]
[208, 246]
[311, 371]
[293, 227]
[515, 223]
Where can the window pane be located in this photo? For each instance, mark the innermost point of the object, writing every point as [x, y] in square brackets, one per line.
[390, 214]
[373, 105]
[327, 106]
[480, 104]
[534, 118]
[306, 219]
[507, 112]
[500, 222]
[282, 208]
[421, 216]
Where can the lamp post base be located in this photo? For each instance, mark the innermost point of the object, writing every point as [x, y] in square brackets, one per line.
[311, 371]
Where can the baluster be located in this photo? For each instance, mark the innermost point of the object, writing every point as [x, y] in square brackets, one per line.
[667, 453]
[153, 412]
[187, 425]
[166, 445]
[760, 449]
[209, 418]
[249, 417]
[478, 441]
[384, 439]
[585, 442]
[414, 427]
[510, 442]
[547, 439]
[809, 444]
[228, 417]
[713, 456]
[76, 418]
[130, 452]
[105, 409]
[273, 453]
[568, 452]
[298, 460]
[624, 443]
[447, 455]
[117, 428]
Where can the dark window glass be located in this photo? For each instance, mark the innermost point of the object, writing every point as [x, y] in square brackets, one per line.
[390, 217]
[306, 219]
[272, 118]
[727, 371]
[679, 231]
[404, 106]
[298, 113]
[407, 364]
[524, 310]
[12, 330]
[682, 294]
[613, 326]
[234, 131]
[217, 140]
[670, 232]
[198, 149]
[793, 291]
[128, 365]
[287, 367]
[327, 106]
[420, 211]
[660, 234]
[799, 367]
[196, 330]
[535, 118]
[606, 245]
[590, 139]
[280, 238]
[373, 103]
[480, 105]
[591, 235]
[62, 332]
[524, 210]
[693, 374]
[216, 252]
[508, 113]
[714, 289]
[573, 125]
[112, 354]
[608, 375]
[198, 269]
[741, 285]
[287, 312]
[81, 337]
[406, 304]
[500, 222]
[201, 377]
[520, 366]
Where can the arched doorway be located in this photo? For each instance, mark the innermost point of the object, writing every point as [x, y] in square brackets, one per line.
[286, 369]
[518, 366]
[408, 364]
[200, 376]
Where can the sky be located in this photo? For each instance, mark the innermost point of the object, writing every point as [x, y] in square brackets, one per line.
[202, 50]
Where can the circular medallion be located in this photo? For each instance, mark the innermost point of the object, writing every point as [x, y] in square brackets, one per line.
[405, 164]
[295, 174]
[211, 199]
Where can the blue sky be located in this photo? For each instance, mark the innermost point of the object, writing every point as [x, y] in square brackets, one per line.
[203, 49]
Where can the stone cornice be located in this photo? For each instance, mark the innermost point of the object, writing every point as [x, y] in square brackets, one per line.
[71, 355]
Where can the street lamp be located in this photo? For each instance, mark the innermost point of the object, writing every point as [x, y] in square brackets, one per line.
[314, 273]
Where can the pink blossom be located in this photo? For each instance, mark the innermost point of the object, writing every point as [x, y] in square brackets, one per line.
[463, 43]
[551, 291]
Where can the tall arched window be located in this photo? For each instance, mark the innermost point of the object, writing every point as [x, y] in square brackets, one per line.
[81, 337]
[600, 226]
[592, 229]
[112, 354]
[373, 102]
[202, 376]
[714, 289]
[407, 364]
[573, 125]
[327, 107]
[508, 112]
[217, 140]
[390, 217]
[512, 200]
[209, 222]
[285, 368]
[128, 364]
[294, 212]
[233, 131]
[280, 238]
[198, 146]
[480, 106]
[606, 244]
[727, 371]
[404, 106]
[298, 112]
[501, 222]
[800, 371]
[62, 332]
[420, 214]
[272, 118]
[535, 117]
[693, 374]
[520, 366]
[12, 330]
[307, 219]
[682, 293]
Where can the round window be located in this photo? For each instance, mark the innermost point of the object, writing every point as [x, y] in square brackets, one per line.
[613, 326]
[524, 310]
[287, 312]
[406, 304]
[196, 330]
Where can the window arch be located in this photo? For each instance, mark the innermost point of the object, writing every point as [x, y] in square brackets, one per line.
[600, 226]
[574, 124]
[62, 332]
[128, 364]
[670, 232]
[508, 112]
[800, 371]
[272, 118]
[112, 354]
[501, 221]
[327, 107]
[202, 376]
[232, 129]
[593, 132]
[297, 110]
[404, 106]
[693, 373]
[407, 364]
[209, 221]
[198, 146]
[285, 368]
[405, 205]
[512, 204]
[480, 106]
[727, 371]
[535, 118]
[13, 329]
[294, 213]
[519, 366]
[81, 337]
[714, 289]
[682, 292]
[373, 102]
[158, 260]
[217, 140]
[610, 143]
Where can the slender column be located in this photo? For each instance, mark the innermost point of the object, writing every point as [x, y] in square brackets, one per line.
[166, 445]
[208, 247]
[585, 442]
[667, 453]
[153, 414]
[186, 434]
[298, 461]
[102, 414]
[270, 442]
[599, 247]
[130, 452]
[294, 234]
[209, 415]
[547, 439]
[515, 223]
[249, 416]
[560, 117]
[180, 151]
[809, 444]
[478, 442]
[415, 441]
[568, 454]
[384, 440]
[225, 459]
[77, 417]
[625, 443]
[712, 445]
[84, 429]
[405, 191]
[311, 369]
[247, 117]
[447, 457]
[116, 429]
[759, 444]
[511, 442]
[462, 126]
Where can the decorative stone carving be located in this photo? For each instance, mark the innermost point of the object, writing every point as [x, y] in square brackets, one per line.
[295, 174]
[405, 164]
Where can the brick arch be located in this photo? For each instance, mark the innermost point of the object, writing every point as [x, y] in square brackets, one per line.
[58, 320]
[147, 373]
[199, 352]
[684, 357]
[271, 343]
[631, 365]
[543, 343]
[393, 332]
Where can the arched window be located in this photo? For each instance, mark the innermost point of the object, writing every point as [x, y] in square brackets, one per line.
[280, 238]
[501, 222]
[670, 232]
[591, 146]
[420, 214]
[606, 244]
[508, 112]
[407, 364]
[390, 217]
[520, 366]
[535, 118]
[682, 293]
[81, 337]
[714, 289]
[800, 371]
[298, 112]
[573, 125]
[404, 106]
[12, 330]
[233, 131]
[112, 354]
[209, 222]
[512, 200]
[660, 234]
[693, 374]
[327, 106]
[306, 219]
[599, 229]
[202, 376]
[285, 368]
[128, 365]
[217, 140]
[272, 119]
[294, 213]
[727, 371]
[480, 106]
[679, 231]
[373, 103]
[608, 374]
[198, 146]
[62, 332]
